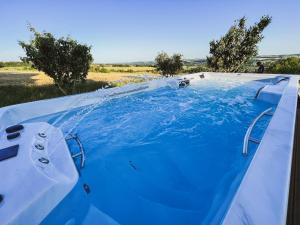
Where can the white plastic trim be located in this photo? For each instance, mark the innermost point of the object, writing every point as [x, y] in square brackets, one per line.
[31, 188]
[262, 197]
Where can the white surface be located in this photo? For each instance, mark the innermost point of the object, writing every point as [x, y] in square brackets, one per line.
[272, 93]
[32, 189]
[262, 197]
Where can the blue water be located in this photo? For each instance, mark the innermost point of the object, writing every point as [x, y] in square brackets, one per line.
[167, 156]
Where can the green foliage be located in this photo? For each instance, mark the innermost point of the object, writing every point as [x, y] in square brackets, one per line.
[99, 69]
[14, 94]
[289, 65]
[196, 69]
[65, 60]
[120, 65]
[237, 47]
[123, 68]
[168, 65]
[15, 64]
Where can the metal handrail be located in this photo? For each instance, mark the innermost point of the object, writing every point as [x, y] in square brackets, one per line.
[247, 137]
[261, 88]
[258, 91]
[282, 79]
[81, 153]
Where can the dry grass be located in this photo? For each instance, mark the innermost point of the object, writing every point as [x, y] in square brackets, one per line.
[39, 78]
[126, 68]
[19, 85]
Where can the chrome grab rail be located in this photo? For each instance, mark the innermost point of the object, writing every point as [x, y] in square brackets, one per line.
[258, 91]
[277, 82]
[81, 153]
[282, 79]
[247, 137]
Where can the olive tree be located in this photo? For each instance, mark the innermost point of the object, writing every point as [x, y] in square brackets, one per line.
[168, 65]
[64, 60]
[234, 50]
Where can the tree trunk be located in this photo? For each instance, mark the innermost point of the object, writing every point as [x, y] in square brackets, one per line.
[61, 89]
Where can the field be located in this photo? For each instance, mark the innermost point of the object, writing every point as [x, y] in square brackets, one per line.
[26, 76]
[20, 84]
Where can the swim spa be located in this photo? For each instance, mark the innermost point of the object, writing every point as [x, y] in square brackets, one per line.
[154, 153]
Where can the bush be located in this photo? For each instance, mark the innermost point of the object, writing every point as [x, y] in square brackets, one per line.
[196, 69]
[14, 64]
[168, 66]
[65, 60]
[99, 69]
[1, 64]
[103, 70]
[232, 52]
[289, 65]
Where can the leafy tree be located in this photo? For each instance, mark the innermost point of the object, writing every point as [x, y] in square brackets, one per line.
[168, 65]
[65, 60]
[237, 47]
[1, 64]
[289, 65]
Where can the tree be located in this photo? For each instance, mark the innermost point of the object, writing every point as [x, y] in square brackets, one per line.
[65, 60]
[289, 65]
[168, 66]
[237, 47]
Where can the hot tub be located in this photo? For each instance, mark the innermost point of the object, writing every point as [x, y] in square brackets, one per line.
[167, 151]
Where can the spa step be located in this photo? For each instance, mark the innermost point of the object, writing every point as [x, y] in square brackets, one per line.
[94, 214]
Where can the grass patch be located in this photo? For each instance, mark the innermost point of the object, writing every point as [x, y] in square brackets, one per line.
[20, 83]
[121, 69]
[15, 94]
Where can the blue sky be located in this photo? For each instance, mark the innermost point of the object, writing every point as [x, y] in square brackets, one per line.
[136, 30]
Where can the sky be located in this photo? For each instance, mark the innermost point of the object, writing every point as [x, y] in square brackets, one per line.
[136, 30]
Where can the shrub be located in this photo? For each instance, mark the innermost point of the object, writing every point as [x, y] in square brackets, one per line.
[289, 65]
[168, 65]
[237, 47]
[14, 64]
[196, 69]
[129, 71]
[1, 64]
[99, 69]
[103, 70]
[65, 60]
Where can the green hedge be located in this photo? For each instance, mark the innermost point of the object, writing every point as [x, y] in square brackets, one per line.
[289, 65]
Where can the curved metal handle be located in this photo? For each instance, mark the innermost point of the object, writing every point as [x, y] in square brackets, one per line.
[274, 83]
[248, 133]
[258, 91]
[282, 79]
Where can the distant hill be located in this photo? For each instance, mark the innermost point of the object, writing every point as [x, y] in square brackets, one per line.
[188, 62]
[275, 57]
